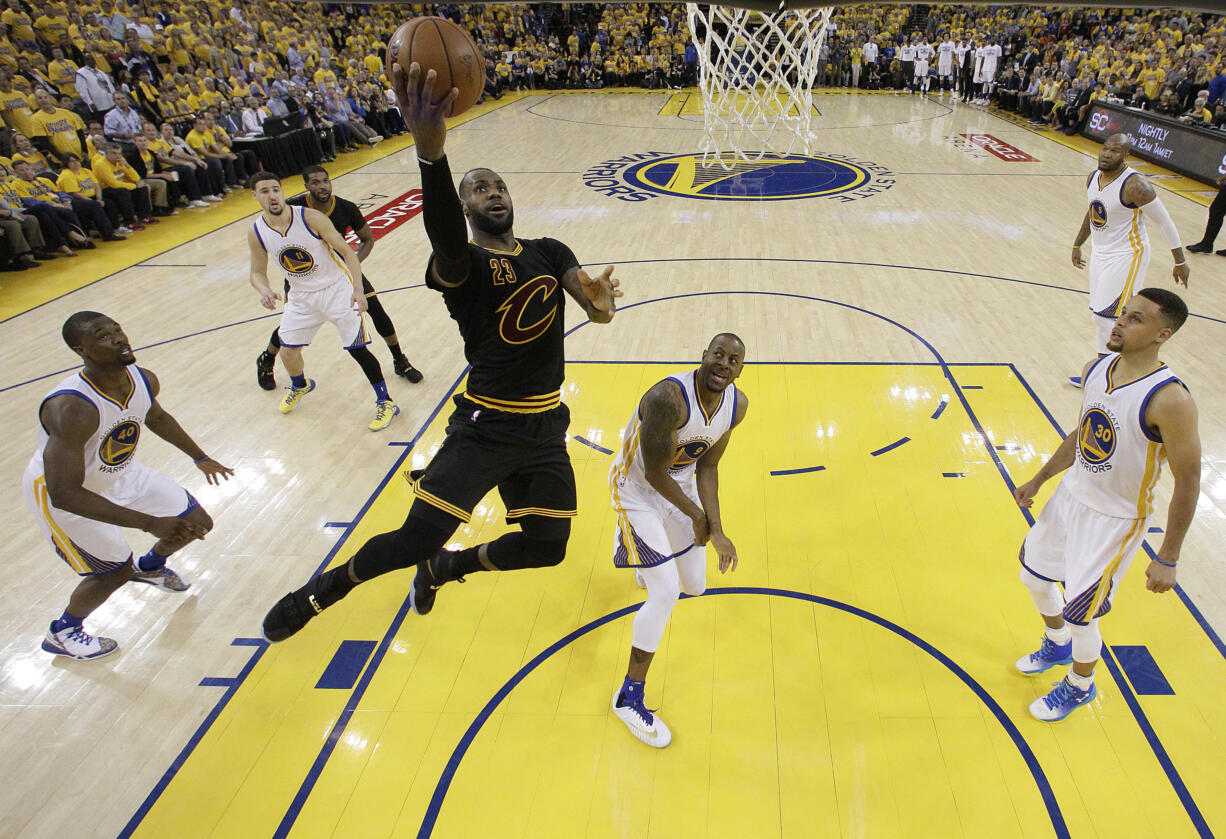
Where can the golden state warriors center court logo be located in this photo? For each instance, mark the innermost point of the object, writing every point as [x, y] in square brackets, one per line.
[1098, 214]
[296, 261]
[640, 177]
[1096, 438]
[119, 444]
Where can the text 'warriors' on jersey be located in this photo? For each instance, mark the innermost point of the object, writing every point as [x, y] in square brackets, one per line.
[510, 314]
[1119, 458]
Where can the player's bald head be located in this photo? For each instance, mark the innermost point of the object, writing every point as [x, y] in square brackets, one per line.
[730, 340]
[1121, 140]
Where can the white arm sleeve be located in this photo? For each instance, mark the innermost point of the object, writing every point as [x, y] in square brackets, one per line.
[1155, 210]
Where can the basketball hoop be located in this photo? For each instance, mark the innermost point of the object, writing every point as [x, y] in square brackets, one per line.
[756, 76]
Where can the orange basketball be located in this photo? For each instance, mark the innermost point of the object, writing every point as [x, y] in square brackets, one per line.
[437, 44]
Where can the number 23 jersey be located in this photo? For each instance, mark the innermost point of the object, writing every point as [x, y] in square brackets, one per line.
[510, 312]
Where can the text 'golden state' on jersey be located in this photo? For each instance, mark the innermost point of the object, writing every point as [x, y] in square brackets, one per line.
[510, 314]
[1119, 457]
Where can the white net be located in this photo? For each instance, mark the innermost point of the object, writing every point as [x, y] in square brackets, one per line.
[756, 77]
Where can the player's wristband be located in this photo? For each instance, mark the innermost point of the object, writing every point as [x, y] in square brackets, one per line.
[1177, 264]
[200, 460]
[1164, 562]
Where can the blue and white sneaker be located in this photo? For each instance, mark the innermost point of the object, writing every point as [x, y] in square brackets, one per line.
[164, 579]
[1046, 657]
[642, 723]
[1062, 701]
[1075, 381]
[75, 642]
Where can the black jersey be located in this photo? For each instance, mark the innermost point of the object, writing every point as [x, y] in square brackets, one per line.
[345, 215]
[510, 314]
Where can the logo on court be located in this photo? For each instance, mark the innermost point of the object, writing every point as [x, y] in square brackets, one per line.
[119, 444]
[297, 261]
[773, 178]
[689, 453]
[1098, 214]
[640, 177]
[1096, 439]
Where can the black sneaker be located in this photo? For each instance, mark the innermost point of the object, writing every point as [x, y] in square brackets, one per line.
[1199, 247]
[1222, 252]
[295, 610]
[426, 582]
[263, 371]
[404, 368]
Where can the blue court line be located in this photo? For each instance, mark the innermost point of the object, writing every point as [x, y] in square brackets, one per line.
[953, 474]
[798, 471]
[1143, 672]
[972, 387]
[1147, 729]
[1155, 530]
[940, 409]
[890, 447]
[1019, 742]
[346, 665]
[344, 524]
[260, 647]
[590, 444]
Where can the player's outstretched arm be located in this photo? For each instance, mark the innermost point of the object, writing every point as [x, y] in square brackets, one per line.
[661, 410]
[1063, 458]
[323, 227]
[1173, 413]
[598, 296]
[161, 423]
[259, 271]
[426, 120]
[707, 477]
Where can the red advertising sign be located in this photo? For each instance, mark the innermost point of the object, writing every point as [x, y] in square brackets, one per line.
[1000, 148]
[390, 216]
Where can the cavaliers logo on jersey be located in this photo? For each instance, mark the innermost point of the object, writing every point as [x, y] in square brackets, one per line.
[296, 261]
[1098, 214]
[119, 444]
[1096, 438]
[689, 453]
[512, 327]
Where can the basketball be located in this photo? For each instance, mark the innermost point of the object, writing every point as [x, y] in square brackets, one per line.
[437, 44]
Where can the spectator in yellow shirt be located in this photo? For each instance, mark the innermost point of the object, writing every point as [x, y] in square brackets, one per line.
[16, 108]
[38, 194]
[201, 139]
[121, 184]
[64, 129]
[21, 28]
[23, 149]
[79, 184]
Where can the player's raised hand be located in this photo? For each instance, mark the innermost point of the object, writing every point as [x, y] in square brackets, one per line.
[213, 471]
[268, 299]
[726, 552]
[415, 96]
[358, 299]
[601, 291]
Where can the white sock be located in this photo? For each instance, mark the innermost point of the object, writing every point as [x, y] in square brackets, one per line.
[1060, 636]
[1080, 682]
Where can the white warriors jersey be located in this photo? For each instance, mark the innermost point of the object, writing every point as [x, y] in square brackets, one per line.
[697, 434]
[1119, 458]
[111, 449]
[945, 57]
[309, 262]
[1115, 227]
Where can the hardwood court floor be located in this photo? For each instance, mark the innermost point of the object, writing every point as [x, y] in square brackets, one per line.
[852, 678]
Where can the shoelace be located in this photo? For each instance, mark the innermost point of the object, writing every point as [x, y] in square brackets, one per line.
[81, 636]
[1064, 692]
[1045, 649]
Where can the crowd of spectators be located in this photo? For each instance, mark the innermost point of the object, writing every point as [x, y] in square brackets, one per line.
[118, 113]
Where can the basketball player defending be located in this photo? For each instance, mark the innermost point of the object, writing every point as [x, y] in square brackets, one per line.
[84, 483]
[509, 427]
[1134, 414]
[345, 216]
[322, 288]
[665, 485]
[1120, 199]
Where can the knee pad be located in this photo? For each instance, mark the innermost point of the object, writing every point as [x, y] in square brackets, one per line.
[545, 552]
[1046, 594]
[1087, 642]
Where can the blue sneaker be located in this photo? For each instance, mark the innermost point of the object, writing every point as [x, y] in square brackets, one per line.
[1075, 381]
[1061, 701]
[1046, 657]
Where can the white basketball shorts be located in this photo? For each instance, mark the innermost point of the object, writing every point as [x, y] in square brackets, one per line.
[1087, 551]
[1114, 278]
[94, 547]
[650, 530]
[306, 311]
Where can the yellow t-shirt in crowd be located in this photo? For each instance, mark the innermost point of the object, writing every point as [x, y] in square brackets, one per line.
[61, 127]
[114, 175]
[16, 109]
[81, 181]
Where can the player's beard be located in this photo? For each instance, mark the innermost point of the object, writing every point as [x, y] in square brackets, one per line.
[486, 224]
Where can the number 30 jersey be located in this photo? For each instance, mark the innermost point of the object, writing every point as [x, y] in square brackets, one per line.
[510, 314]
[1119, 458]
